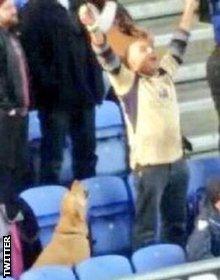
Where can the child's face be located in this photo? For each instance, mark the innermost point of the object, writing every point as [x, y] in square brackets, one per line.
[142, 57]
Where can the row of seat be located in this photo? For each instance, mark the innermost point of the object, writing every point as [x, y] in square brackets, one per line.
[109, 211]
[110, 267]
[68, 275]
[113, 266]
[111, 206]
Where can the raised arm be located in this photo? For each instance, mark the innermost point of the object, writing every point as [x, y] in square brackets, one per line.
[180, 38]
[189, 15]
[120, 77]
[108, 60]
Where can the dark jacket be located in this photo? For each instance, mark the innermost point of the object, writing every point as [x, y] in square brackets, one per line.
[205, 240]
[63, 68]
[11, 87]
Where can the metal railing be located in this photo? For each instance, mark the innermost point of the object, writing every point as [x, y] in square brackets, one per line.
[181, 272]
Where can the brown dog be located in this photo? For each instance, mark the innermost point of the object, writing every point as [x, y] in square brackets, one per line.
[70, 244]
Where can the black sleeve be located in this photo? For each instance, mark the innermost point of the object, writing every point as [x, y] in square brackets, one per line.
[178, 44]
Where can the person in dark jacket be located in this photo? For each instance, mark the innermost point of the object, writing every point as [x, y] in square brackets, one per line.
[14, 102]
[210, 12]
[204, 242]
[66, 85]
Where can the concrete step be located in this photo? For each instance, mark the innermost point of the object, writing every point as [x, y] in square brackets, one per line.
[200, 32]
[191, 72]
[127, 2]
[193, 92]
[166, 25]
[214, 153]
[199, 122]
[197, 51]
[205, 144]
[153, 8]
[199, 119]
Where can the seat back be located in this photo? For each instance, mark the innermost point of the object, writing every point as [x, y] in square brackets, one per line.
[104, 268]
[157, 256]
[201, 172]
[111, 147]
[57, 272]
[45, 201]
[20, 3]
[196, 188]
[112, 156]
[109, 212]
[197, 177]
[211, 168]
[132, 181]
[108, 116]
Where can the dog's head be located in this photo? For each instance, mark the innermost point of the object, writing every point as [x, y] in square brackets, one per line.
[73, 209]
[75, 201]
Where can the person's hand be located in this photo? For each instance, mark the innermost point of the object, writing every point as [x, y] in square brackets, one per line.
[189, 15]
[192, 5]
[87, 14]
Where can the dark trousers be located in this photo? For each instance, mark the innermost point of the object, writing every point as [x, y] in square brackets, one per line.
[161, 205]
[80, 125]
[213, 76]
[13, 159]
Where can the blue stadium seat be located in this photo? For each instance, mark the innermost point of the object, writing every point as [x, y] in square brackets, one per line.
[157, 256]
[112, 158]
[196, 187]
[34, 130]
[20, 3]
[109, 120]
[211, 167]
[57, 272]
[111, 146]
[197, 177]
[109, 213]
[45, 202]
[104, 268]
[131, 185]
[201, 172]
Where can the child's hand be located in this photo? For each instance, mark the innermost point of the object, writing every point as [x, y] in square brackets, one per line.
[87, 15]
[192, 5]
[189, 15]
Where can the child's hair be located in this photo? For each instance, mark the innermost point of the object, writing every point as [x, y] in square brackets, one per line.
[213, 191]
